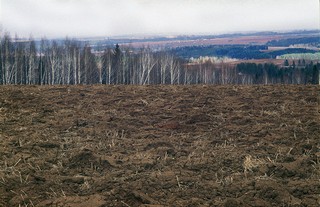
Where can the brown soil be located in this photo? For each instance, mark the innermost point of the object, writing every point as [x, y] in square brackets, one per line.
[237, 40]
[159, 146]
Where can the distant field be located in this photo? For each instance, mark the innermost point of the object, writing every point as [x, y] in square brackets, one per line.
[237, 40]
[306, 56]
[278, 62]
[283, 48]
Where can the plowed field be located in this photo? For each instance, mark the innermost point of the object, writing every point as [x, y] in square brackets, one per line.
[159, 146]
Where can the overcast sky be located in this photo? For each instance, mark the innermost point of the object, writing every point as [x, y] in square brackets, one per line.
[78, 18]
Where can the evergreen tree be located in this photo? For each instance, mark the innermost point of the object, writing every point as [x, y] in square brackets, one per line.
[315, 75]
[116, 60]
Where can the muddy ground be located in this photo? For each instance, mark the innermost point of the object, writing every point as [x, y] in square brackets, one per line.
[159, 146]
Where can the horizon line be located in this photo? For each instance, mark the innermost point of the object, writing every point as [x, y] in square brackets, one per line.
[3, 32]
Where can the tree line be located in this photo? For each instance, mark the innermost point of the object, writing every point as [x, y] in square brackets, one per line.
[252, 73]
[50, 62]
[271, 74]
[69, 62]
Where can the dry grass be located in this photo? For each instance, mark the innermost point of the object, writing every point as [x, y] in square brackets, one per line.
[251, 163]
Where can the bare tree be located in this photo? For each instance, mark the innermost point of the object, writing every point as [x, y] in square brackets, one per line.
[31, 69]
[147, 62]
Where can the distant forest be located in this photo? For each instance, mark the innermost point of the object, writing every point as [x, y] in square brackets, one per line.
[314, 41]
[71, 62]
[236, 51]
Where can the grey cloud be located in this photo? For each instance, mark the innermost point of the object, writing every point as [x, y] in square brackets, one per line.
[124, 17]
